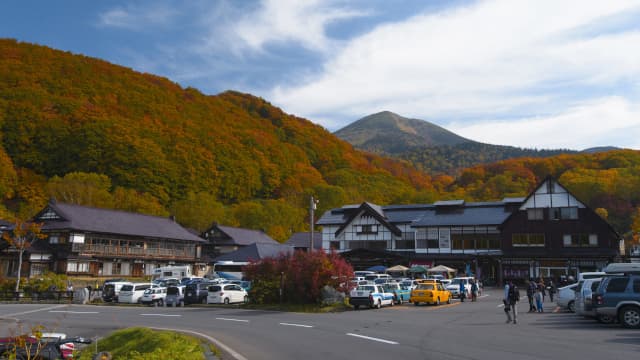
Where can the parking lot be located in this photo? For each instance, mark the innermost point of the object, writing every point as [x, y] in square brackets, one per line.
[469, 330]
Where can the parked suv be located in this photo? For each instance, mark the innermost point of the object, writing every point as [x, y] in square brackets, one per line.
[175, 295]
[619, 296]
[196, 292]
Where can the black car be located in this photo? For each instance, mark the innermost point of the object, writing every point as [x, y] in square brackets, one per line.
[196, 292]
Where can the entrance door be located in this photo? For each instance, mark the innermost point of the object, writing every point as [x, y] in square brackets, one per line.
[137, 270]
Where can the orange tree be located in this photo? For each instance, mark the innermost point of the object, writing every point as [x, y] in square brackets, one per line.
[24, 233]
[301, 277]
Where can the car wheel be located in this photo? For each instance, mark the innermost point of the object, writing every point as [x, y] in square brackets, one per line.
[356, 307]
[605, 319]
[416, 303]
[226, 301]
[379, 304]
[630, 317]
[449, 300]
[246, 299]
[571, 306]
[160, 302]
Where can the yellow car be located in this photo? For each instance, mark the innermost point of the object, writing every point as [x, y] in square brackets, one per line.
[430, 292]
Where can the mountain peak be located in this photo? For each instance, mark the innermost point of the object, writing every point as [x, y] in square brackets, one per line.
[390, 133]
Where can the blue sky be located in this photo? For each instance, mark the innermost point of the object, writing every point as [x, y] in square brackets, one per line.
[535, 74]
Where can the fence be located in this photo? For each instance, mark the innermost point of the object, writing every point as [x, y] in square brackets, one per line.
[37, 296]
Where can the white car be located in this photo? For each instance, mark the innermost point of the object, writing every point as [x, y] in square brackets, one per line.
[226, 294]
[566, 297]
[454, 286]
[153, 296]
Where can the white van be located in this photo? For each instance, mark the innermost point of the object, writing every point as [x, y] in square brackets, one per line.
[132, 293]
[454, 286]
[374, 277]
[111, 290]
[590, 275]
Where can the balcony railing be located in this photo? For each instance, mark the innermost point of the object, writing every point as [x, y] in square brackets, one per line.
[108, 250]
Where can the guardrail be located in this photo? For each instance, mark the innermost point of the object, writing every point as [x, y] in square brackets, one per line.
[37, 296]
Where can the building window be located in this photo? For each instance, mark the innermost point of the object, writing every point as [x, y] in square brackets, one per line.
[535, 214]
[73, 266]
[564, 213]
[334, 245]
[38, 269]
[527, 240]
[580, 240]
[367, 229]
[116, 268]
[49, 215]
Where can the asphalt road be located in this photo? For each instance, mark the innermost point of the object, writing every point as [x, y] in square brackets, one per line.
[469, 330]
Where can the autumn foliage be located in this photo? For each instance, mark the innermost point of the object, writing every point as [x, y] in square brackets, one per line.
[302, 276]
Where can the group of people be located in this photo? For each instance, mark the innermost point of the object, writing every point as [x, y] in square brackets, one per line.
[536, 293]
[475, 290]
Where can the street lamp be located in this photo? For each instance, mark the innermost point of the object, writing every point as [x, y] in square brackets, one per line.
[312, 208]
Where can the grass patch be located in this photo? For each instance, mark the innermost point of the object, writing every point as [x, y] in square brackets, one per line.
[146, 344]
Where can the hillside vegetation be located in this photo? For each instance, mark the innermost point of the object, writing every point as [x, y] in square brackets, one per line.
[89, 132]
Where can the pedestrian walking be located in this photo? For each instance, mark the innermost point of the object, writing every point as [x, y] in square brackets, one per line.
[542, 289]
[474, 290]
[531, 290]
[552, 290]
[511, 299]
[539, 299]
[463, 291]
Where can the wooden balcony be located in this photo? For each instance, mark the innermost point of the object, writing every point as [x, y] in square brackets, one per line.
[134, 252]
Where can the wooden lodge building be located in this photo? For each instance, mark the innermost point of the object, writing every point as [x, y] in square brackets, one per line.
[86, 241]
[550, 233]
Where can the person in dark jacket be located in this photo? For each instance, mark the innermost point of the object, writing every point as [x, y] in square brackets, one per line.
[531, 290]
[511, 299]
[463, 291]
[552, 290]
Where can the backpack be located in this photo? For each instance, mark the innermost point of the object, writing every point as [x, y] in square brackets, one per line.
[514, 294]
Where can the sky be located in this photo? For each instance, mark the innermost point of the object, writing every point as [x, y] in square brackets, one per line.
[558, 74]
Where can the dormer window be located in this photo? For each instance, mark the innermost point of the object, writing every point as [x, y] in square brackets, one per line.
[367, 229]
[49, 215]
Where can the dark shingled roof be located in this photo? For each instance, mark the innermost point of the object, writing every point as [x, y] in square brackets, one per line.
[301, 240]
[240, 236]
[477, 213]
[83, 218]
[255, 252]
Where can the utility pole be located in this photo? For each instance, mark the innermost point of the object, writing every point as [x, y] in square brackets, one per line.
[312, 208]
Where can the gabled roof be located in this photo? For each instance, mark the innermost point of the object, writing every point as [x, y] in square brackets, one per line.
[301, 240]
[243, 237]
[89, 219]
[374, 210]
[255, 252]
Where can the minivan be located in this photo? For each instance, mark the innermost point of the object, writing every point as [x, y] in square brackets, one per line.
[111, 290]
[132, 293]
[196, 292]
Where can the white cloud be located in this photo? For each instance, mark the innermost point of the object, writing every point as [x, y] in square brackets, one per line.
[134, 17]
[610, 121]
[490, 59]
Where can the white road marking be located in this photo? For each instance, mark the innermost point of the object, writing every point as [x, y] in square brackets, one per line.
[160, 315]
[74, 312]
[227, 319]
[298, 325]
[374, 339]
[224, 347]
[33, 311]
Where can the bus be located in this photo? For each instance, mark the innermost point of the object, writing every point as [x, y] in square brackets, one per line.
[231, 270]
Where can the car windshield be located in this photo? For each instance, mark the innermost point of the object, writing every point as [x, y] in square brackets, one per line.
[425, 287]
[126, 288]
[456, 281]
[367, 288]
[214, 288]
[148, 291]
